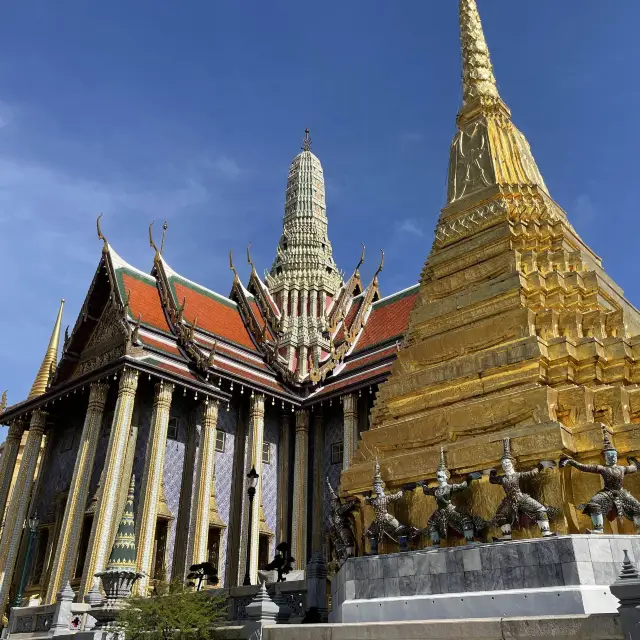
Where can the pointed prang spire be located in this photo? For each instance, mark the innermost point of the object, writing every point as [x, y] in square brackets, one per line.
[306, 143]
[123, 552]
[50, 359]
[478, 80]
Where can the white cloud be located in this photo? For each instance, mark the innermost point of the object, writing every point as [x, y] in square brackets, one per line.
[584, 209]
[408, 226]
[227, 167]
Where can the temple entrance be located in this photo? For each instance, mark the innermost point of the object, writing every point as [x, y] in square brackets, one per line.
[159, 560]
[263, 551]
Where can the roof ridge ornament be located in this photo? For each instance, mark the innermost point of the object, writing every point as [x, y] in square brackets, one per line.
[306, 143]
[105, 248]
[231, 265]
[3, 402]
[165, 226]
[249, 257]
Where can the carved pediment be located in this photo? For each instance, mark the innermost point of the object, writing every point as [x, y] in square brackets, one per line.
[108, 342]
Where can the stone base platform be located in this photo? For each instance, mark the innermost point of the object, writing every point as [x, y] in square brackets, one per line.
[564, 575]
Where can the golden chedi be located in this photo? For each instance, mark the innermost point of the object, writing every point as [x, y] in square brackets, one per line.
[517, 331]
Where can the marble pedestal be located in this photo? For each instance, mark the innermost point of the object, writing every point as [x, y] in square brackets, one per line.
[565, 575]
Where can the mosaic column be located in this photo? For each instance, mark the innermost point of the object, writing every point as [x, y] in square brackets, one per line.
[69, 536]
[299, 528]
[283, 479]
[19, 503]
[204, 475]
[350, 409]
[106, 508]
[8, 461]
[318, 484]
[152, 480]
[253, 459]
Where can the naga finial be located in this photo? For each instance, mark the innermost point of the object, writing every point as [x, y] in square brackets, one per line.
[152, 244]
[381, 267]
[231, 265]
[249, 257]
[192, 329]
[3, 402]
[165, 226]
[127, 300]
[66, 337]
[135, 334]
[361, 257]
[105, 248]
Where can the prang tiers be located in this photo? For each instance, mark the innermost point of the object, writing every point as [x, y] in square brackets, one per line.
[517, 330]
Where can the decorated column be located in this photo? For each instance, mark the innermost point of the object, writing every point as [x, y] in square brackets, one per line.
[69, 536]
[8, 461]
[152, 480]
[204, 482]
[318, 484]
[112, 477]
[253, 459]
[350, 409]
[283, 479]
[19, 503]
[299, 528]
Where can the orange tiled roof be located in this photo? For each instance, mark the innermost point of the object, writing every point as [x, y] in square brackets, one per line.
[215, 315]
[145, 301]
[389, 318]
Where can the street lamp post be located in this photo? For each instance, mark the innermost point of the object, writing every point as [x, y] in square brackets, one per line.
[252, 483]
[32, 523]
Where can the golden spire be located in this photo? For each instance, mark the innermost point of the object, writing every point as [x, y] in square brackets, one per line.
[50, 359]
[478, 80]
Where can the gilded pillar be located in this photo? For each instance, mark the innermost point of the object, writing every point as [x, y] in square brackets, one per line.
[283, 478]
[152, 480]
[350, 431]
[69, 536]
[299, 524]
[253, 459]
[8, 461]
[106, 509]
[317, 541]
[19, 503]
[204, 482]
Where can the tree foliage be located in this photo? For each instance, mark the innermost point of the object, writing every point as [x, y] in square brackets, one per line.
[177, 614]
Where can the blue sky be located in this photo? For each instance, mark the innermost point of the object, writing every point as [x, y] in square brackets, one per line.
[191, 112]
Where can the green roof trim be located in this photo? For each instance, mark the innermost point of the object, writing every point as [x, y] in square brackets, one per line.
[394, 297]
[212, 295]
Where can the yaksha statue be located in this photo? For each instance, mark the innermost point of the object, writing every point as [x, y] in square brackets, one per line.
[613, 498]
[340, 531]
[515, 502]
[447, 516]
[384, 523]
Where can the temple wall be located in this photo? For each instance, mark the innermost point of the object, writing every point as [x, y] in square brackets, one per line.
[270, 489]
[60, 455]
[172, 475]
[227, 422]
[333, 422]
[141, 419]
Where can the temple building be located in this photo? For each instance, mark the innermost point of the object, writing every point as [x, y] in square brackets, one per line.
[188, 389]
[514, 331]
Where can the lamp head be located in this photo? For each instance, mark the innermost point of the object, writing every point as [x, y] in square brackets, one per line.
[252, 478]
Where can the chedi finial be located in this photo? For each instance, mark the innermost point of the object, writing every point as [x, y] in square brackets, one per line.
[306, 143]
[478, 80]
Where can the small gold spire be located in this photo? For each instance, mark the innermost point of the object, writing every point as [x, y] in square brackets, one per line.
[306, 143]
[50, 359]
[478, 80]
